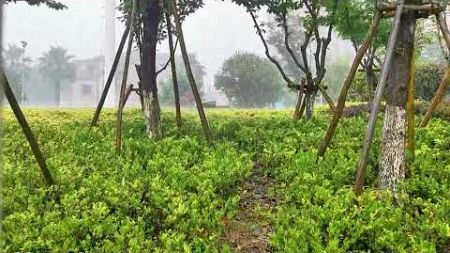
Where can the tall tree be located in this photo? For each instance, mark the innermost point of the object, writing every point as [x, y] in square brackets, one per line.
[184, 89]
[50, 3]
[392, 160]
[17, 68]
[317, 14]
[56, 66]
[249, 81]
[149, 30]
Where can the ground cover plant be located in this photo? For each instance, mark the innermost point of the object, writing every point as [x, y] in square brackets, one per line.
[179, 194]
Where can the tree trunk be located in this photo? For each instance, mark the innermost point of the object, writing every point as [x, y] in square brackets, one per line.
[309, 105]
[392, 160]
[151, 19]
[176, 93]
[372, 81]
[300, 101]
[58, 93]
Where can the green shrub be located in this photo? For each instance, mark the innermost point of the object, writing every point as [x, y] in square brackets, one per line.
[428, 78]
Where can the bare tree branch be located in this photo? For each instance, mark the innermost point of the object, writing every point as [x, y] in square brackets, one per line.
[267, 52]
[287, 43]
[172, 54]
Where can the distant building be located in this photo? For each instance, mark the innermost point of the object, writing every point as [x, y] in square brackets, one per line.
[84, 90]
[216, 96]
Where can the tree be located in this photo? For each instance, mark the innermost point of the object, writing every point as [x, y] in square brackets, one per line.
[249, 81]
[185, 93]
[149, 30]
[17, 69]
[392, 160]
[50, 3]
[56, 66]
[317, 14]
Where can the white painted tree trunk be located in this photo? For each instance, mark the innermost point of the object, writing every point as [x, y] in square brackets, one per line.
[393, 159]
[392, 162]
[152, 115]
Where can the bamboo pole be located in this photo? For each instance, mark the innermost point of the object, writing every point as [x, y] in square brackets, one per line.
[190, 75]
[444, 28]
[327, 98]
[124, 80]
[48, 178]
[300, 101]
[110, 77]
[127, 95]
[411, 146]
[346, 86]
[359, 182]
[173, 66]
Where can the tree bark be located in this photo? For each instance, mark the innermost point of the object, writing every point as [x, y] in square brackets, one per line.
[309, 106]
[371, 80]
[176, 92]
[58, 93]
[375, 106]
[392, 160]
[152, 113]
[300, 101]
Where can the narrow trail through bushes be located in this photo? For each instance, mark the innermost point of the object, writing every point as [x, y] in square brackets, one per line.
[250, 229]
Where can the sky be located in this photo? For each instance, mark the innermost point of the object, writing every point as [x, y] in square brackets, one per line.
[214, 32]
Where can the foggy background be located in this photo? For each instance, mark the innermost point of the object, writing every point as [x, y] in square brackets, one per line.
[213, 33]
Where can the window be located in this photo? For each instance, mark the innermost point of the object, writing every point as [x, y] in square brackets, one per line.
[86, 89]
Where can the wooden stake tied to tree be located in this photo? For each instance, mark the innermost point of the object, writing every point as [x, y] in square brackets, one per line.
[48, 178]
[347, 83]
[359, 182]
[112, 72]
[173, 10]
[124, 80]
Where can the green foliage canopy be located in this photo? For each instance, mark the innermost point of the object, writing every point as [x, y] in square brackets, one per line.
[249, 80]
[50, 3]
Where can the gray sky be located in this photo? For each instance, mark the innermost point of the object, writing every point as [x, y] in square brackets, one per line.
[214, 32]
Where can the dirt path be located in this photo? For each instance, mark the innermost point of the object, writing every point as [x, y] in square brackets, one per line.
[249, 231]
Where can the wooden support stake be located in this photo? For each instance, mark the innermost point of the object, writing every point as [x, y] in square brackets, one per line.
[124, 80]
[359, 182]
[190, 75]
[410, 144]
[444, 28]
[127, 94]
[110, 77]
[327, 98]
[346, 86]
[300, 101]
[173, 66]
[440, 93]
[48, 178]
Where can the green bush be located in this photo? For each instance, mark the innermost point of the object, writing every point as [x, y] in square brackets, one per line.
[428, 78]
[172, 195]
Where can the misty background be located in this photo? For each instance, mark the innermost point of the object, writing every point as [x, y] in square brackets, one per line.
[213, 34]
